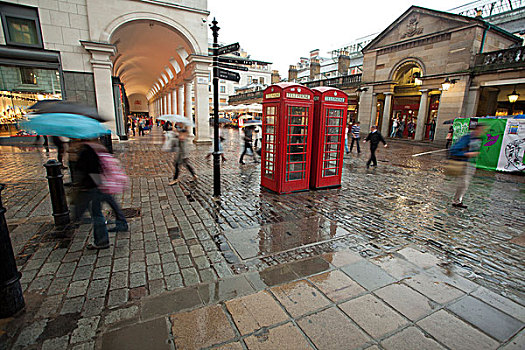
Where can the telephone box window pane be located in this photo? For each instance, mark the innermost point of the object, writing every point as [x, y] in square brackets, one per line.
[269, 147]
[270, 129]
[270, 119]
[301, 157]
[295, 139]
[331, 155]
[330, 172]
[330, 164]
[335, 121]
[297, 149]
[270, 138]
[334, 113]
[333, 130]
[296, 167]
[331, 147]
[333, 138]
[298, 120]
[22, 31]
[270, 157]
[295, 176]
[297, 130]
[298, 111]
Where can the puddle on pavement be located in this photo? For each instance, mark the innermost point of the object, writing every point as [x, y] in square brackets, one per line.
[265, 240]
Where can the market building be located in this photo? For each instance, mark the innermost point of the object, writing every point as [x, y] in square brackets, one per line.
[124, 56]
[432, 65]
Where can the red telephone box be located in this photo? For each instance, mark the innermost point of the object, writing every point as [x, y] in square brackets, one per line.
[330, 109]
[287, 137]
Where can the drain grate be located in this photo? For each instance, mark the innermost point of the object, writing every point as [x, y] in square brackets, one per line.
[131, 212]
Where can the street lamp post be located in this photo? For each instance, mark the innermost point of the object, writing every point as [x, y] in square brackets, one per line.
[216, 153]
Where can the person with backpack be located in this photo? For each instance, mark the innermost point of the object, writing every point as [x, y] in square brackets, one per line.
[99, 176]
[464, 152]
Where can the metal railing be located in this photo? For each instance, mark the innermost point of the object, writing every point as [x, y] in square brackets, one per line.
[508, 58]
[344, 81]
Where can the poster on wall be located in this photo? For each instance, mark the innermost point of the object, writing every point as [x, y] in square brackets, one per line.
[460, 126]
[491, 143]
[513, 146]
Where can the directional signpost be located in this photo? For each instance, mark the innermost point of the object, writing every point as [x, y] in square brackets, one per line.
[225, 74]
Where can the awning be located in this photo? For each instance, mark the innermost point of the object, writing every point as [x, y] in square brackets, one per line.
[12, 56]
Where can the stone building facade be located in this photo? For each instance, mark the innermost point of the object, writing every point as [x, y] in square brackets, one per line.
[405, 68]
[158, 50]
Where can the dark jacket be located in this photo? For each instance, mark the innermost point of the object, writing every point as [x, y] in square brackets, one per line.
[467, 143]
[375, 138]
[87, 163]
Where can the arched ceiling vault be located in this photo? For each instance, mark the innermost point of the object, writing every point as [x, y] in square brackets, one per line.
[145, 49]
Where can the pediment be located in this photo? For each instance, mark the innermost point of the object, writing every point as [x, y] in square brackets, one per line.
[418, 22]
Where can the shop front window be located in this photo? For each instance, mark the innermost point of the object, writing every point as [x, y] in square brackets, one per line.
[27, 76]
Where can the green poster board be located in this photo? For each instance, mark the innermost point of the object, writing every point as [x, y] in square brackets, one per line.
[491, 143]
[460, 128]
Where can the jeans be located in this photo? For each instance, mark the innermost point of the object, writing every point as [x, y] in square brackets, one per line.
[346, 145]
[92, 199]
[120, 218]
[356, 140]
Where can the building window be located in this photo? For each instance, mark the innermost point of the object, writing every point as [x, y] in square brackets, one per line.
[261, 80]
[222, 89]
[28, 76]
[21, 25]
[248, 80]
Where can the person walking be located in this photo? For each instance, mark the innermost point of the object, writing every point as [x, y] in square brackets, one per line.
[395, 125]
[248, 138]
[347, 150]
[356, 130]
[88, 195]
[374, 137]
[450, 135]
[465, 150]
[181, 156]
[432, 130]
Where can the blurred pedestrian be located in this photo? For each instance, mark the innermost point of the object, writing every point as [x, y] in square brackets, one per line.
[411, 128]
[395, 125]
[221, 150]
[248, 138]
[141, 127]
[133, 126]
[347, 150]
[432, 130]
[465, 150]
[450, 136]
[88, 194]
[61, 144]
[181, 156]
[356, 135]
[374, 137]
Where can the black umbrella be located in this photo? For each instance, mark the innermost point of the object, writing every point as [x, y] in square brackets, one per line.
[222, 120]
[451, 121]
[58, 106]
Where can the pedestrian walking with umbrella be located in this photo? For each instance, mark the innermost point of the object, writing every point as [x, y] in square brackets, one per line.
[181, 153]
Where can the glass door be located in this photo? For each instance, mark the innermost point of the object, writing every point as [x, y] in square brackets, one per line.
[333, 138]
[297, 143]
[269, 142]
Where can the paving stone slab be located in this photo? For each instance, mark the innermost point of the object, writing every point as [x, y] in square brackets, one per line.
[300, 297]
[225, 289]
[410, 338]
[200, 328]
[368, 275]
[499, 302]
[454, 333]
[406, 301]
[336, 285]
[424, 260]
[170, 303]
[146, 335]
[373, 315]
[516, 343]
[255, 311]
[342, 334]
[433, 288]
[286, 336]
[490, 320]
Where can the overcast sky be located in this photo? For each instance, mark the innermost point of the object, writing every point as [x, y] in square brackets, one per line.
[281, 31]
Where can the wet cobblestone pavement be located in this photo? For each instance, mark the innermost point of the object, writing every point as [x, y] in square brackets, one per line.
[181, 239]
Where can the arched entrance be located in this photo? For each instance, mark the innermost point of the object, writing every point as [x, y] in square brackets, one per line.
[406, 100]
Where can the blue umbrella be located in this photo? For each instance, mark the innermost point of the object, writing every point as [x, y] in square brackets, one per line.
[74, 126]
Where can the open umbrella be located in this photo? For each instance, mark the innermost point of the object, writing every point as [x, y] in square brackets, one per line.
[67, 125]
[58, 106]
[175, 118]
[450, 121]
[222, 120]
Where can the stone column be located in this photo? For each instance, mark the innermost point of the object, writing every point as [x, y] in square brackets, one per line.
[386, 113]
[102, 73]
[373, 113]
[180, 100]
[199, 66]
[422, 115]
[169, 110]
[174, 101]
[188, 102]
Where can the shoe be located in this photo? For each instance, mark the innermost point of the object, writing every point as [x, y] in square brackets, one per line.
[119, 229]
[241, 162]
[459, 205]
[174, 182]
[195, 178]
[93, 246]
[368, 166]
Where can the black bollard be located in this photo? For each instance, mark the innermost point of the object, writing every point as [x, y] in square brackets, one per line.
[11, 297]
[57, 192]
